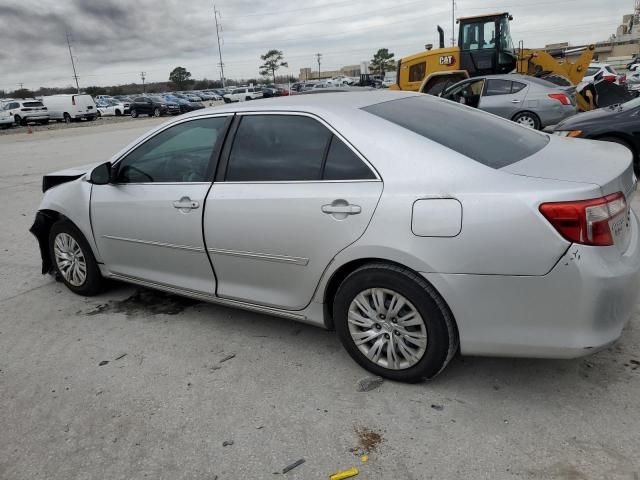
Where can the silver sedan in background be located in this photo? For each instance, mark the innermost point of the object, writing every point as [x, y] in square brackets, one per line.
[414, 226]
[530, 101]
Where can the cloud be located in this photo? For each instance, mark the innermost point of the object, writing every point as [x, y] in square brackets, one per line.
[113, 40]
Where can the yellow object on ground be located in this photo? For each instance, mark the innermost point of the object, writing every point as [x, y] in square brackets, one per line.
[352, 472]
[364, 458]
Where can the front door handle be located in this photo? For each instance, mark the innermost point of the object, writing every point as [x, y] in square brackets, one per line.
[186, 204]
[515, 101]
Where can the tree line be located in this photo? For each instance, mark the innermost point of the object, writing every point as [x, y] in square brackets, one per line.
[180, 79]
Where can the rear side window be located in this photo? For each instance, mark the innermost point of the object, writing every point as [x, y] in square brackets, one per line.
[343, 164]
[489, 140]
[32, 104]
[498, 87]
[277, 148]
[517, 86]
[592, 71]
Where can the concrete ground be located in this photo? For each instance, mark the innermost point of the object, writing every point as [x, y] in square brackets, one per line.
[172, 392]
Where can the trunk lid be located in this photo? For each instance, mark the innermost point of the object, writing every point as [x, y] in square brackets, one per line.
[606, 164]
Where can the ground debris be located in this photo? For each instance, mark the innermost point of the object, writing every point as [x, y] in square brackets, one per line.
[439, 408]
[368, 441]
[120, 357]
[103, 363]
[295, 464]
[367, 384]
[352, 472]
[227, 443]
[228, 357]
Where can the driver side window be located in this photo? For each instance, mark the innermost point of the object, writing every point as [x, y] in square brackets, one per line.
[182, 153]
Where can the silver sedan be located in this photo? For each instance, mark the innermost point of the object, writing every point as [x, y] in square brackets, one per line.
[530, 101]
[414, 238]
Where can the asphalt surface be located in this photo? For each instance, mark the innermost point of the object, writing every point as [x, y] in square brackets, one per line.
[136, 384]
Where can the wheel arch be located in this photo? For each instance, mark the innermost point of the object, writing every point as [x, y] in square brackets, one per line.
[346, 269]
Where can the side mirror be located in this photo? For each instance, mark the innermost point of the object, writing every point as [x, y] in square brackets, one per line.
[101, 175]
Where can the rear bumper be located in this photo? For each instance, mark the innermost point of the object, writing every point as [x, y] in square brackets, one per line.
[579, 307]
[35, 118]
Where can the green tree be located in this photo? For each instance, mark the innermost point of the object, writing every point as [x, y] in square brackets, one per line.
[180, 77]
[273, 60]
[382, 62]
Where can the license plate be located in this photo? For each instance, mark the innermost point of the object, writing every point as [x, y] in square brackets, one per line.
[620, 227]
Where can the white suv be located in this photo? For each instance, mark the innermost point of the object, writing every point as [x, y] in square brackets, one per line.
[27, 110]
[242, 94]
[608, 73]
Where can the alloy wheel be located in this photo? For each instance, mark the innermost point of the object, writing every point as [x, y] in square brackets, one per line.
[70, 259]
[387, 328]
[527, 121]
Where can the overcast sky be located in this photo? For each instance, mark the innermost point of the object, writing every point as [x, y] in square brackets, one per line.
[114, 40]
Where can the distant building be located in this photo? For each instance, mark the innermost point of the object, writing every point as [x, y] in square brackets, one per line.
[312, 74]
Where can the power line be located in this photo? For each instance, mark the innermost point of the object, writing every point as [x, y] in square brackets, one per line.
[218, 28]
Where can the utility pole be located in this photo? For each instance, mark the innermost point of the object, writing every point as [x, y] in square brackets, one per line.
[143, 76]
[453, 23]
[319, 57]
[73, 64]
[21, 85]
[216, 13]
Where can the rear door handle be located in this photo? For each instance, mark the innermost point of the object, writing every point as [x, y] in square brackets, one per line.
[343, 209]
[185, 203]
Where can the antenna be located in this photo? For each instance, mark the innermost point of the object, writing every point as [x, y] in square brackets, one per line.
[143, 75]
[319, 57]
[73, 65]
[216, 13]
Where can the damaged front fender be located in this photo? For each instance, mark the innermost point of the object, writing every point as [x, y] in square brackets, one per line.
[40, 229]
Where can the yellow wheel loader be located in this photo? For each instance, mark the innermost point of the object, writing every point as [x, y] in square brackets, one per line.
[485, 47]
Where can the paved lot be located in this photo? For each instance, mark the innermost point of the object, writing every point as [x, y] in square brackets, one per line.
[166, 401]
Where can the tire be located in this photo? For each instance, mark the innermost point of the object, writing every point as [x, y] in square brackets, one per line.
[248, 99]
[156, 112]
[528, 119]
[433, 320]
[118, 113]
[64, 237]
[134, 114]
[99, 113]
[67, 118]
[619, 141]
[19, 120]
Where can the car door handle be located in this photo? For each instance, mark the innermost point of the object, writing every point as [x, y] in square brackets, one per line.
[343, 209]
[185, 203]
[515, 101]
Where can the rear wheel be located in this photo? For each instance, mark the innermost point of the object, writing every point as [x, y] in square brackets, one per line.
[393, 323]
[118, 113]
[528, 119]
[67, 118]
[134, 113]
[73, 259]
[156, 112]
[619, 141]
[19, 120]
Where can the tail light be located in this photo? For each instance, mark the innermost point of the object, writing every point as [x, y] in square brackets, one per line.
[610, 78]
[561, 97]
[73, 100]
[585, 221]
[623, 78]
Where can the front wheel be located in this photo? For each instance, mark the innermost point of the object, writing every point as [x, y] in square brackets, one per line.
[67, 118]
[19, 120]
[73, 259]
[528, 119]
[156, 112]
[134, 114]
[393, 323]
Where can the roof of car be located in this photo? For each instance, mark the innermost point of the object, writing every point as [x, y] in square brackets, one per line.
[330, 100]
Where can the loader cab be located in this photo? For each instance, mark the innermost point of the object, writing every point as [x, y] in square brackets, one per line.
[485, 45]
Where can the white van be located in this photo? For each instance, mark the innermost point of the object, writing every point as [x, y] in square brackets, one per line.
[70, 107]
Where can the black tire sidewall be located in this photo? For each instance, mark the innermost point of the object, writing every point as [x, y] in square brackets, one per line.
[93, 282]
[437, 332]
[134, 114]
